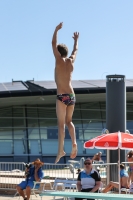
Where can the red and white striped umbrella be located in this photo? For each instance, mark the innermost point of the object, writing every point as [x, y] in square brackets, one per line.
[111, 141]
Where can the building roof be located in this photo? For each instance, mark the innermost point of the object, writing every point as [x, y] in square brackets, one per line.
[96, 89]
[49, 87]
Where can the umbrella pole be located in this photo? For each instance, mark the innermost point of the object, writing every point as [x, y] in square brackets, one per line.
[119, 170]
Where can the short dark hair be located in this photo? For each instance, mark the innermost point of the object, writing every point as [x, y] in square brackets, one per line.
[130, 154]
[122, 166]
[62, 48]
[87, 160]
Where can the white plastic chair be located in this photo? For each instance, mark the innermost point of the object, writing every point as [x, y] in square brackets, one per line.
[101, 187]
[57, 183]
[125, 190]
[130, 190]
[71, 184]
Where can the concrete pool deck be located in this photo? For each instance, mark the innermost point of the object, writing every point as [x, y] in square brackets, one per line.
[9, 197]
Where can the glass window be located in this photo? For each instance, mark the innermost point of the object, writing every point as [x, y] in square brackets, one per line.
[89, 120]
[33, 133]
[90, 105]
[6, 159]
[49, 146]
[129, 106]
[51, 159]
[77, 105]
[21, 159]
[6, 112]
[81, 134]
[91, 133]
[32, 117]
[92, 117]
[92, 124]
[52, 133]
[43, 132]
[47, 112]
[5, 133]
[103, 115]
[47, 117]
[20, 146]
[130, 126]
[32, 123]
[67, 135]
[19, 117]
[19, 123]
[130, 117]
[91, 114]
[102, 106]
[77, 113]
[6, 147]
[68, 146]
[5, 122]
[34, 147]
[19, 133]
[33, 158]
[6, 117]
[77, 123]
[104, 124]
[50, 123]
[92, 152]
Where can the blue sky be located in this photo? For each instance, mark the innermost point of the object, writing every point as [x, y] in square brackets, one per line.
[105, 43]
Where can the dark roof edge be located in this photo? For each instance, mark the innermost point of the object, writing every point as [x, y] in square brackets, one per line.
[43, 92]
[36, 90]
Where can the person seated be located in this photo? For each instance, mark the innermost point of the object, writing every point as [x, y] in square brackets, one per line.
[123, 180]
[33, 173]
[89, 179]
[130, 169]
[97, 157]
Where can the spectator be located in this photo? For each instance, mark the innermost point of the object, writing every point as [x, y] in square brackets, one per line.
[34, 173]
[97, 157]
[123, 180]
[89, 179]
[78, 171]
[130, 169]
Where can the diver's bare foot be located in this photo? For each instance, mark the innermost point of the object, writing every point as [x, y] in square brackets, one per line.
[59, 156]
[74, 151]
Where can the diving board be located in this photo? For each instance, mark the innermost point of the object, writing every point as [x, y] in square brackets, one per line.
[88, 195]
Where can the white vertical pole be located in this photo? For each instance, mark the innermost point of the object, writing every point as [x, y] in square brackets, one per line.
[119, 169]
[108, 166]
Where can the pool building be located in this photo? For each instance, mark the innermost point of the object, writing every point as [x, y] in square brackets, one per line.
[28, 123]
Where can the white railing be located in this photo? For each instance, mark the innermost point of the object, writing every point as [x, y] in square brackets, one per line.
[58, 170]
[12, 174]
[105, 169]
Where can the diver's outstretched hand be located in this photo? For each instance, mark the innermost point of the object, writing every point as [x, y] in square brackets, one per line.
[76, 35]
[59, 26]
